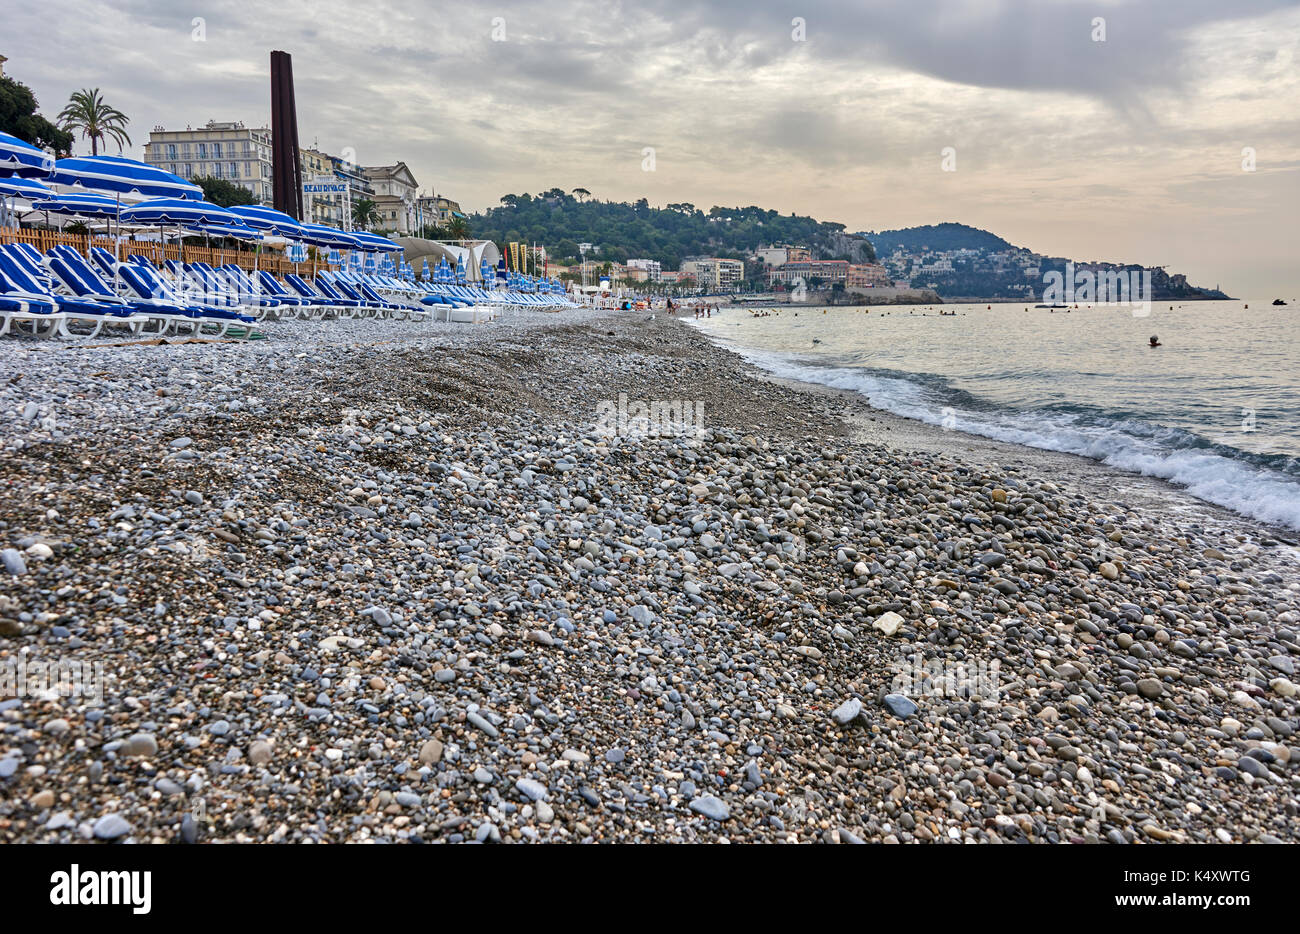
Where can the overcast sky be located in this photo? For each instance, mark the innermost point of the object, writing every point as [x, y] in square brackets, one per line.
[1124, 149]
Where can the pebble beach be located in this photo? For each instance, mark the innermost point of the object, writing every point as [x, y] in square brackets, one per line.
[381, 581]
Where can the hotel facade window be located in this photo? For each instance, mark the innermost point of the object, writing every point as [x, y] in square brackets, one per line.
[215, 150]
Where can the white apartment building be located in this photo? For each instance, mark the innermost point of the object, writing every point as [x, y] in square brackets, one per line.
[715, 275]
[395, 194]
[229, 150]
[652, 268]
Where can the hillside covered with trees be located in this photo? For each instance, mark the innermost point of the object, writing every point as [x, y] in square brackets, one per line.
[937, 237]
[619, 231]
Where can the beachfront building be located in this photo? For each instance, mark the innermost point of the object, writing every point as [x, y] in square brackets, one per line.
[777, 256]
[867, 276]
[395, 193]
[823, 272]
[650, 269]
[716, 275]
[436, 210]
[359, 187]
[227, 150]
[322, 207]
[677, 281]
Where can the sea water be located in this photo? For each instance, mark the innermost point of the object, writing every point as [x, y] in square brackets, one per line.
[1214, 409]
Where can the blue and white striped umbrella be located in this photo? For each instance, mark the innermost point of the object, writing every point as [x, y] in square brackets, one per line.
[296, 253]
[178, 211]
[18, 187]
[460, 273]
[373, 243]
[486, 273]
[268, 220]
[334, 258]
[237, 231]
[424, 274]
[18, 157]
[79, 204]
[320, 235]
[122, 176]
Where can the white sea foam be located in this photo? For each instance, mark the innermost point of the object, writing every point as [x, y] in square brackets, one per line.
[1245, 488]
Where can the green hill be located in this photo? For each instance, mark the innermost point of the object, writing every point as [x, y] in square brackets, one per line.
[619, 231]
[939, 237]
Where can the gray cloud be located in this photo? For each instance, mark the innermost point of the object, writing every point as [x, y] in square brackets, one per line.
[847, 125]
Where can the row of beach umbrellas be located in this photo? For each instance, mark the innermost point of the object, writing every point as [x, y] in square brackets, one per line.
[99, 183]
[442, 272]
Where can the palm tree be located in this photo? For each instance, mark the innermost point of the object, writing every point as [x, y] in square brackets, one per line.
[458, 228]
[95, 120]
[364, 213]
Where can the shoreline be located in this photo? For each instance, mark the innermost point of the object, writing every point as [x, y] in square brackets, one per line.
[379, 581]
[1098, 478]
[1100, 481]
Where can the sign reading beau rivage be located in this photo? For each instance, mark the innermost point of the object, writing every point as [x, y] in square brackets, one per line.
[324, 183]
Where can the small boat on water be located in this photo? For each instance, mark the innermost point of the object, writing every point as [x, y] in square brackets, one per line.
[1051, 306]
[1278, 301]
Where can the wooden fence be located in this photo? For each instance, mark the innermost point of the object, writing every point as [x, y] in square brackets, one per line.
[274, 262]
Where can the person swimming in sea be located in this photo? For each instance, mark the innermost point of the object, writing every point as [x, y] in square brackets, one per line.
[1155, 341]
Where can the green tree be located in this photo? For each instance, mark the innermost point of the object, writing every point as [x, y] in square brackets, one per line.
[670, 235]
[18, 117]
[365, 213]
[458, 229]
[581, 194]
[88, 114]
[223, 192]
